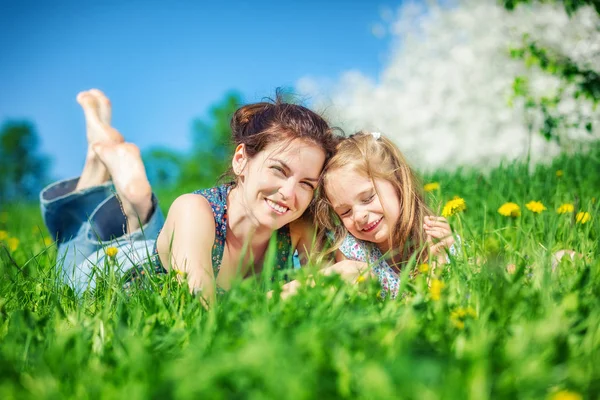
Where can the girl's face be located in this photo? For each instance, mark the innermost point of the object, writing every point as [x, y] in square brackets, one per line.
[360, 202]
[278, 183]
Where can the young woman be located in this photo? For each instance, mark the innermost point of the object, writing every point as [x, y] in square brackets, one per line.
[211, 235]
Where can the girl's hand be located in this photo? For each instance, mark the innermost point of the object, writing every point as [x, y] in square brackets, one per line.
[439, 237]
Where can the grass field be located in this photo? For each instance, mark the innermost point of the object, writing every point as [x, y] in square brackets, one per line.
[501, 321]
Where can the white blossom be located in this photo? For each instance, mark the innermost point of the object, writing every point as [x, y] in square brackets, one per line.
[445, 96]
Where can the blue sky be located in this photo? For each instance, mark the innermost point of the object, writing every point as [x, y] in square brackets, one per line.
[164, 63]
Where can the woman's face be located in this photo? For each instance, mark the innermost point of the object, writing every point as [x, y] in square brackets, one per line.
[360, 202]
[278, 182]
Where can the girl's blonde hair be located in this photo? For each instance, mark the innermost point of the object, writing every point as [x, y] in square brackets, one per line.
[375, 156]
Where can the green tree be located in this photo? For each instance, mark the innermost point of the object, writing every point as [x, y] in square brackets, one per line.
[163, 166]
[23, 169]
[584, 78]
[211, 145]
[208, 158]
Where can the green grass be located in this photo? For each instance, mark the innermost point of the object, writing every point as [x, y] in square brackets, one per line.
[531, 334]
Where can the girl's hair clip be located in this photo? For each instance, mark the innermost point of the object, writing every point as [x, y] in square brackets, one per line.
[376, 135]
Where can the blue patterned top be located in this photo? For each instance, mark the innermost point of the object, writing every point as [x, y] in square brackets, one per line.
[360, 250]
[217, 198]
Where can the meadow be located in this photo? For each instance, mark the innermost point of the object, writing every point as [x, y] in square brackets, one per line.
[504, 320]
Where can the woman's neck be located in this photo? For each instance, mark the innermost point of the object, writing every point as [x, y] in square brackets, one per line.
[242, 226]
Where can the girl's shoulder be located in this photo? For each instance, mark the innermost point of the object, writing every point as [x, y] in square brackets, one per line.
[359, 250]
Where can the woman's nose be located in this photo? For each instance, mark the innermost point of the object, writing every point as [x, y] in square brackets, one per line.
[287, 190]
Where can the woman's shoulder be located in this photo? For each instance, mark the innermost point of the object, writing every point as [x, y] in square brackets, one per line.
[192, 206]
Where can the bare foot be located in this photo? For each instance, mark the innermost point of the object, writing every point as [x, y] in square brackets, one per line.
[126, 168]
[104, 107]
[97, 111]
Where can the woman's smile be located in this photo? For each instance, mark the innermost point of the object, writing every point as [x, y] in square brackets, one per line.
[279, 209]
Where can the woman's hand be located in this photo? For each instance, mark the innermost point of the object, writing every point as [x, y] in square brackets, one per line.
[439, 237]
[349, 270]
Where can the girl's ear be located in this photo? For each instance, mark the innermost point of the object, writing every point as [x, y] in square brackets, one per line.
[239, 159]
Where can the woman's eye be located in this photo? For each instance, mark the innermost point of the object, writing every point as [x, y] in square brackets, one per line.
[278, 169]
[308, 185]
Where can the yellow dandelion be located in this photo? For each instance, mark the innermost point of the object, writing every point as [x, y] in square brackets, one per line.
[3, 235]
[4, 217]
[510, 210]
[111, 251]
[424, 268]
[430, 187]
[454, 206]
[583, 217]
[471, 312]
[559, 173]
[459, 315]
[435, 291]
[459, 324]
[48, 241]
[360, 279]
[535, 206]
[565, 208]
[13, 244]
[566, 395]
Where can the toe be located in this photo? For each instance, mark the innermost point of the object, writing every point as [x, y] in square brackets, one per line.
[85, 99]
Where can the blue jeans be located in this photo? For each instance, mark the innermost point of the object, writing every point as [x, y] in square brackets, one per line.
[87, 222]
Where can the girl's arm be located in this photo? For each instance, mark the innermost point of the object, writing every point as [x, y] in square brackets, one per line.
[439, 238]
[185, 243]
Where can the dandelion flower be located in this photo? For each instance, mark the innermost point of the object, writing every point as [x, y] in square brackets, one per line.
[454, 206]
[13, 244]
[48, 241]
[3, 235]
[111, 251]
[423, 268]
[559, 173]
[435, 291]
[458, 316]
[458, 323]
[430, 187]
[535, 206]
[510, 210]
[565, 208]
[566, 395]
[583, 217]
[360, 279]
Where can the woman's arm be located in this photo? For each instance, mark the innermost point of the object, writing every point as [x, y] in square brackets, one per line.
[186, 240]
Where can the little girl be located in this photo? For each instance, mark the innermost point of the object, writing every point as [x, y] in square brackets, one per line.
[372, 209]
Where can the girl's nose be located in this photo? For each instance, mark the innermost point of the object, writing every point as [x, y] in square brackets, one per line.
[361, 216]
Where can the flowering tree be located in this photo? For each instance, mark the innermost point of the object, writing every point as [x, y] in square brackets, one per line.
[576, 73]
[453, 93]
